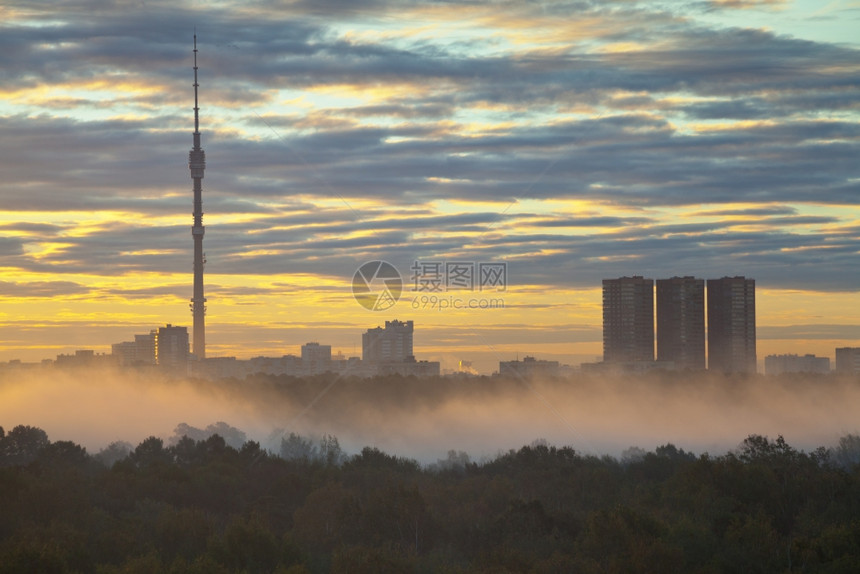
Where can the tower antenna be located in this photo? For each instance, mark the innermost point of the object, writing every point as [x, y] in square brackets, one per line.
[197, 163]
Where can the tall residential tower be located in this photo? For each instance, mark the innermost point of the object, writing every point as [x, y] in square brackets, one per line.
[197, 163]
[628, 320]
[731, 325]
[393, 344]
[681, 322]
[171, 348]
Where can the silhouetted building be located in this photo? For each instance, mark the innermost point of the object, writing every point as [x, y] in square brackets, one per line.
[141, 351]
[316, 358]
[778, 364]
[848, 360]
[626, 368]
[171, 348]
[528, 368]
[628, 319]
[316, 352]
[123, 352]
[145, 348]
[388, 351]
[731, 325]
[681, 322]
[81, 358]
[410, 369]
[219, 367]
[393, 344]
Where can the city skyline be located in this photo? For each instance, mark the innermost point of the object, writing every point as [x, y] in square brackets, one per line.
[629, 333]
[603, 146]
[630, 307]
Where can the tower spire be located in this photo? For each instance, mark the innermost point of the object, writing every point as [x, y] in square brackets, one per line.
[197, 163]
[196, 109]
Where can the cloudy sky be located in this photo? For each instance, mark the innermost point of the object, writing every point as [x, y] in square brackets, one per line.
[572, 140]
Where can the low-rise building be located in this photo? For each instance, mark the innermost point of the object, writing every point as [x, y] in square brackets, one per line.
[528, 368]
[778, 364]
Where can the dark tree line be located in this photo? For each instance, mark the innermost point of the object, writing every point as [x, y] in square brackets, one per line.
[205, 506]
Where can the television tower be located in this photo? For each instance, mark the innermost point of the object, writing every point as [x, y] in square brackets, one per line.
[197, 163]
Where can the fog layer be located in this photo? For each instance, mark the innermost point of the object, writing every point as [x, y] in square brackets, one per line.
[424, 418]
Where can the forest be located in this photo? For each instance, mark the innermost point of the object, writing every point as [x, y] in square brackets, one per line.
[200, 505]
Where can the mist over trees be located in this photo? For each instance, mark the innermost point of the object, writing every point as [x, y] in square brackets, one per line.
[423, 418]
[204, 505]
[298, 448]
[231, 435]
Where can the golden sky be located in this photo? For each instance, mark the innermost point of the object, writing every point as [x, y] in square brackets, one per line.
[572, 141]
